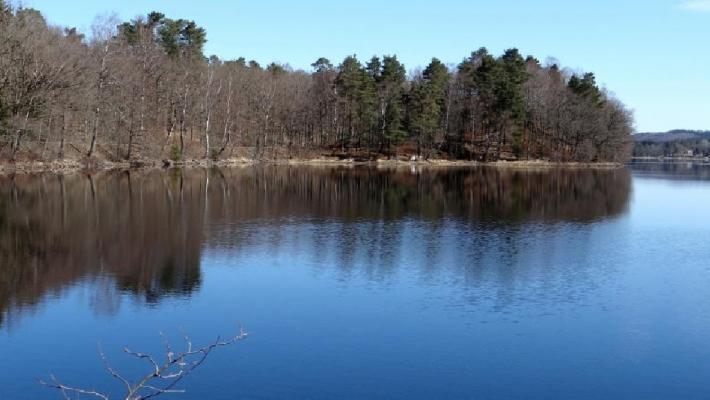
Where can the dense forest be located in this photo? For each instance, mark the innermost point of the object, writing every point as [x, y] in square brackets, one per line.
[144, 89]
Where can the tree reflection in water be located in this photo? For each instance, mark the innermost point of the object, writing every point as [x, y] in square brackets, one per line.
[141, 233]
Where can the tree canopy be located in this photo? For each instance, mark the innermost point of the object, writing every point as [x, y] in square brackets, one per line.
[147, 90]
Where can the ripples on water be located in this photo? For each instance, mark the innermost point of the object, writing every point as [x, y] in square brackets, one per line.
[461, 283]
[146, 230]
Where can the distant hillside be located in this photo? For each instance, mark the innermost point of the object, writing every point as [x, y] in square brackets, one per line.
[671, 136]
[675, 143]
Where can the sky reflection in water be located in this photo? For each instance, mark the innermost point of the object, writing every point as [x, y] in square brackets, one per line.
[466, 283]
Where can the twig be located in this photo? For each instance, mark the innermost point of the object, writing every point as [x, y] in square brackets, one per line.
[175, 368]
[64, 388]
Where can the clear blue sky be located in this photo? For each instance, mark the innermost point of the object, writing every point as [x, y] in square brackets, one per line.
[654, 54]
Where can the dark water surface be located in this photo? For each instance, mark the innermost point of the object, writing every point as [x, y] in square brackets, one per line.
[476, 283]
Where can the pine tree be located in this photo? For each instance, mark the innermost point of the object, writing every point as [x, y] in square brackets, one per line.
[356, 89]
[586, 87]
[509, 93]
[437, 76]
[182, 39]
[390, 92]
[424, 114]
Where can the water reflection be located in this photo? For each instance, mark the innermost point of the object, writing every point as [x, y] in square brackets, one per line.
[680, 171]
[141, 233]
[480, 194]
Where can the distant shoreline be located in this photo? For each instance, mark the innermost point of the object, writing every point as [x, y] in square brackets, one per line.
[74, 166]
[672, 159]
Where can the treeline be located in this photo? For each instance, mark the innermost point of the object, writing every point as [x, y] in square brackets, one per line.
[676, 143]
[680, 148]
[144, 89]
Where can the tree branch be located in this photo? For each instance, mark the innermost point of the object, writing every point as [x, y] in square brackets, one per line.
[171, 372]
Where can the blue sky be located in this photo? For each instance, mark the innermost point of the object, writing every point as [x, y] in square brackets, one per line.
[654, 54]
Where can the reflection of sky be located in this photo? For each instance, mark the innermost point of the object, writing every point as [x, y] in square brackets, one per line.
[412, 309]
[682, 205]
[490, 263]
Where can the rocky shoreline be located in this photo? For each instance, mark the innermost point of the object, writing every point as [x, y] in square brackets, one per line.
[70, 166]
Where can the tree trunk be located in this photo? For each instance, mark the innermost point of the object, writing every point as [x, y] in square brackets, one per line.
[182, 118]
[225, 134]
[60, 155]
[99, 96]
[18, 136]
[208, 111]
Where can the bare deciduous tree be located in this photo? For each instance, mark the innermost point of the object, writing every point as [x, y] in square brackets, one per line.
[162, 377]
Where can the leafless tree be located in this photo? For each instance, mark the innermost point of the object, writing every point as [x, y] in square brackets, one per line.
[162, 377]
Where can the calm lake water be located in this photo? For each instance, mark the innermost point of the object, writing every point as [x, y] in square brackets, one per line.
[473, 283]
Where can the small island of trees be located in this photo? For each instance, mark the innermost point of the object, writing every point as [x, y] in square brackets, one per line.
[144, 89]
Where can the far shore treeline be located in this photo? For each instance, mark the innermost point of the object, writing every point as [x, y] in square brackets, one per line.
[144, 89]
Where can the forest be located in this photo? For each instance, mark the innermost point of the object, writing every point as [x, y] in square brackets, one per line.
[679, 143]
[145, 90]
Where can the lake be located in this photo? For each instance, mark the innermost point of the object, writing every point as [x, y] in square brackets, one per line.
[410, 283]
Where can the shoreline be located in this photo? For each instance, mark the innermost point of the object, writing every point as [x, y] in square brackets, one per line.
[76, 166]
[698, 159]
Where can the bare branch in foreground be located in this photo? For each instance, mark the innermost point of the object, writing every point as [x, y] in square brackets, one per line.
[162, 378]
